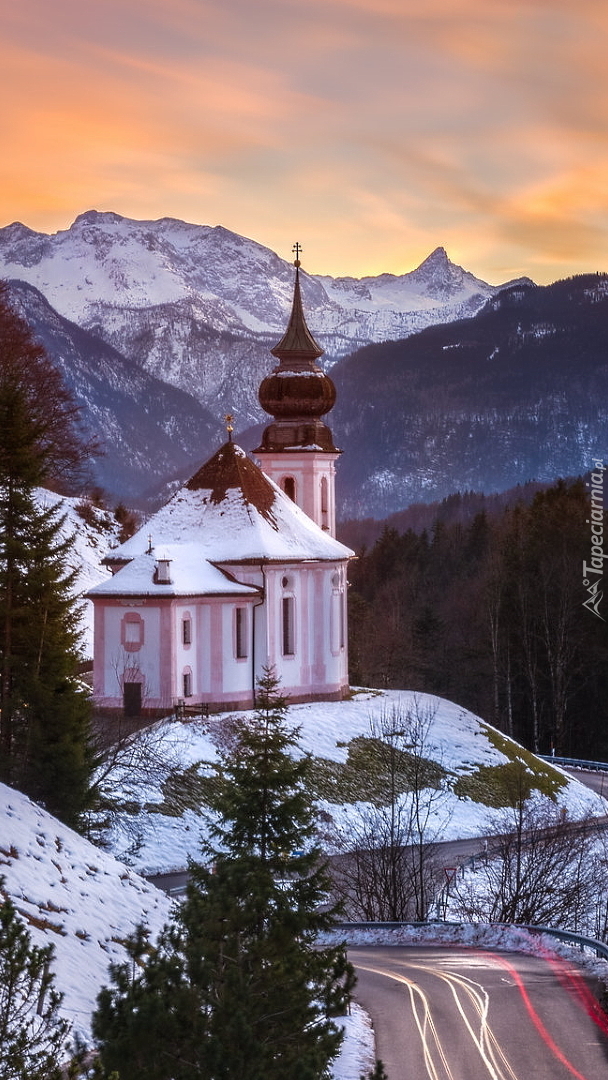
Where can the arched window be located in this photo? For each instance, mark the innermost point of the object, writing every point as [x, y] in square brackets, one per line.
[187, 682]
[187, 630]
[338, 614]
[289, 644]
[324, 503]
[240, 633]
[289, 487]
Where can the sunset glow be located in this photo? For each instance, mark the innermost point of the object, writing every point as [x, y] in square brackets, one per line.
[372, 130]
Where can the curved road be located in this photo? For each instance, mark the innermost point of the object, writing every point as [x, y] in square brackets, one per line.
[456, 1013]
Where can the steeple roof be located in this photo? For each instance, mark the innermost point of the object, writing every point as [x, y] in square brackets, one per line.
[297, 393]
[297, 350]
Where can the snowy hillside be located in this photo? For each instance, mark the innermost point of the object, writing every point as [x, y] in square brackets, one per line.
[92, 539]
[73, 896]
[86, 902]
[166, 829]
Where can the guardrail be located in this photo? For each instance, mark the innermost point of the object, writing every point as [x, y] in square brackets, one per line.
[598, 947]
[575, 763]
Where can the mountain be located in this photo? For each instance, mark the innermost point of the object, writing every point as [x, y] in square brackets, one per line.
[148, 430]
[507, 385]
[200, 307]
[519, 392]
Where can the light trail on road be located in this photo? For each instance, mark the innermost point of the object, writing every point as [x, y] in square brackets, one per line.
[517, 1016]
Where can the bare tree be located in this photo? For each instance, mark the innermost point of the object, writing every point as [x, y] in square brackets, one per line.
[386, 867]
[131, 761]
[539, 870]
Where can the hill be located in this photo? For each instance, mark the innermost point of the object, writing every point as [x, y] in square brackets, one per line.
[517, 393]
[458, 508]
[73, 896]
[86, 902]
[160, 825]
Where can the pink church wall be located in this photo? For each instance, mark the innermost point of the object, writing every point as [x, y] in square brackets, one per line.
[317, 669]
[307, 469]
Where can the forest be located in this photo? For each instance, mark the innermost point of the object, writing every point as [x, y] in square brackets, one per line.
[489, 613]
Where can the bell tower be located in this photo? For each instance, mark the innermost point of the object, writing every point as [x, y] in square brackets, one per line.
[297, 449]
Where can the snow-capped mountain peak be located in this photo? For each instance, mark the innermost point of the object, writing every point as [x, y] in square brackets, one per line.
[199, 306]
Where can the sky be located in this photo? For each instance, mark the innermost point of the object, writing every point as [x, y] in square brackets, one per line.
[371, 131]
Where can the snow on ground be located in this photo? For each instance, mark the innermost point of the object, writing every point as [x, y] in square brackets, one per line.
[73, 896]
[357, 1055]
[85, 902]
[164, 840]
[91, 543]
[476, 935]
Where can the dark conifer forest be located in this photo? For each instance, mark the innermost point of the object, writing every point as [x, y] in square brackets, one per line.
[490, 614]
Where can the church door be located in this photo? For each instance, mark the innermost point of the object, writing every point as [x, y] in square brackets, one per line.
[131, 697]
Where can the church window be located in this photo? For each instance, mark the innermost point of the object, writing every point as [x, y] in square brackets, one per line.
[187, 630]
[338, 615]
[240, 633]
[289, 487]
[324, 504]
[132, 631]
[288, 626]
[187, 683]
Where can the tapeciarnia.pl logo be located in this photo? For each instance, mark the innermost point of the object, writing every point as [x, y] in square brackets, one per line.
[593, 571]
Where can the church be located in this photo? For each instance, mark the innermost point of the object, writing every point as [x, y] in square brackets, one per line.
[240, 570]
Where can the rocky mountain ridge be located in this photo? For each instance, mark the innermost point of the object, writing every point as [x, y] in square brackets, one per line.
[147, 430]
[199, 306]
[516, 394]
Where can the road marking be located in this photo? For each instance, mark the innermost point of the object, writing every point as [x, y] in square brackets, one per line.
[486, 1043]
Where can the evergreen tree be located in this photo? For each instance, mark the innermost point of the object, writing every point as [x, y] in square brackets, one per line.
[32, 1034]
[377, 1073]
[44, 714]
[236, 989]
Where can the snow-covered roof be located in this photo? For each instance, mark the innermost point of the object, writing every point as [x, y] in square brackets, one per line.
[233, 512]
[190, 575]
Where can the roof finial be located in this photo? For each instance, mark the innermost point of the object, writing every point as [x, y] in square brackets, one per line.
[229, 425]
[296, 250]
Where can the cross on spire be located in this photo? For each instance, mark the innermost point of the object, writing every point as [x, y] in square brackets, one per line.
[229, 426]
[296, 250]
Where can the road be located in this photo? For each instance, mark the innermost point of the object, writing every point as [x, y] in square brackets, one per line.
[597, 781]
[455, 1013]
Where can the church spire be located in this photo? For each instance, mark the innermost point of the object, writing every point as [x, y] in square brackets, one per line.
[297, 449]
[297, 350]
[298, 392]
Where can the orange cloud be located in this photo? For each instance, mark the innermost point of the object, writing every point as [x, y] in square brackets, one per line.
[386, 126]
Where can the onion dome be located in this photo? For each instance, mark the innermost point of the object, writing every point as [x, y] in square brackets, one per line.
[298, 392]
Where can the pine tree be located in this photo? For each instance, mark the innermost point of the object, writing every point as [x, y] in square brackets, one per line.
[237, 990]
[32, 1033]
[44, 714]
[377, 1073]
